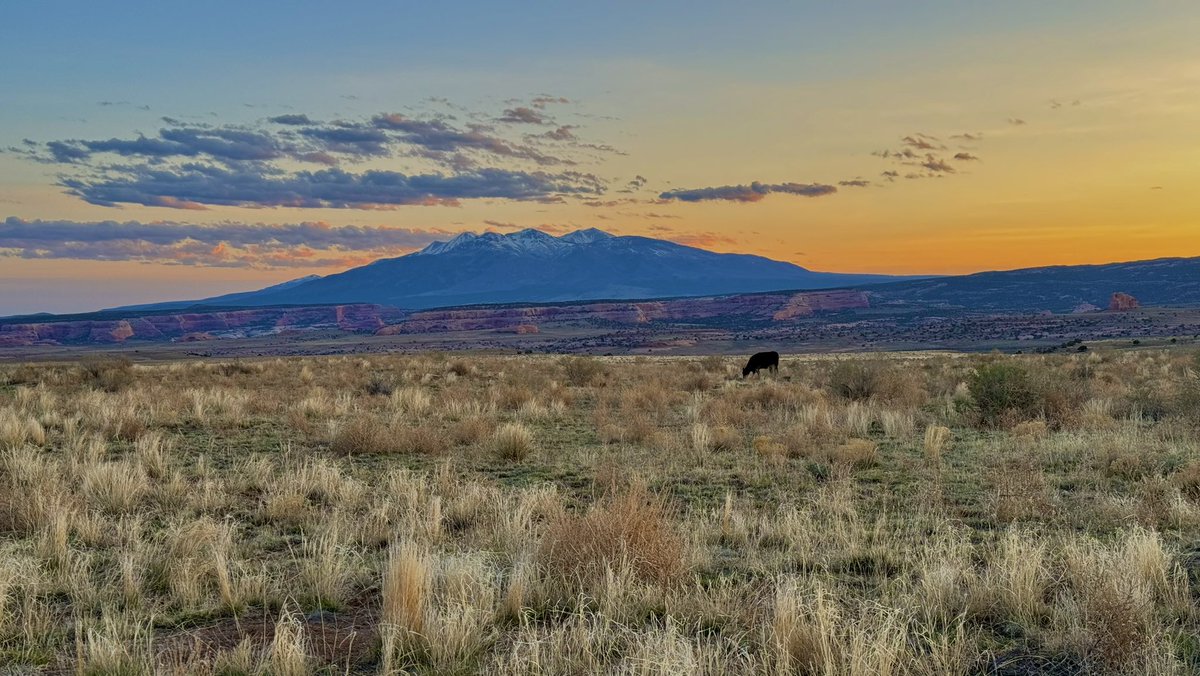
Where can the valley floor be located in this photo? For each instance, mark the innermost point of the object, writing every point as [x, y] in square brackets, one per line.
[464, 513]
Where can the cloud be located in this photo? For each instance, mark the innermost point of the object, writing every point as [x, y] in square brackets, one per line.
[624, 201]
[295, 119]
[920, 156]
[192, 186]
[1016, 121]
[688, 238]
[523, 115]
[922, 142]
[309, 244]
[633, 185]
[193, 166]
[436, 138]
[548, 228]
[304, 139]
[223, 144]
[544, 100]
[562, 133]
[749, 193]
[855, 183]
[937, 165]
[350, 138]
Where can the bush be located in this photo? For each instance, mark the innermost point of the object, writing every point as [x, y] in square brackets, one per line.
[582, 371]
[237, 367]
[110, 375]
[999, 390]
[854, 380]
[863, 380]
[380, 385]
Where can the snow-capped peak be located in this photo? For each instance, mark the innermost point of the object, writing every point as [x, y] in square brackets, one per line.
[585, 236]
[528, 240]
[443, 247]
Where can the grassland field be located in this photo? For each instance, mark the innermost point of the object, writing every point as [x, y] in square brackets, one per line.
[462, 513]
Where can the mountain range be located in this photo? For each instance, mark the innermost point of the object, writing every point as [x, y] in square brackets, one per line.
[533, 266]
[611, 289]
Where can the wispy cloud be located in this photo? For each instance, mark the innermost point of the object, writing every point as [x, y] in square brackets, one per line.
[921, 156]
[523, 115]
[309, 244]
[922, 142]
[749, 193]
[691, 238]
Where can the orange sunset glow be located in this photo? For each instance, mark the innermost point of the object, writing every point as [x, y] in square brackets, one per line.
[936, 140]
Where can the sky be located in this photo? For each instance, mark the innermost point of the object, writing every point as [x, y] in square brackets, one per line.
[166, 150]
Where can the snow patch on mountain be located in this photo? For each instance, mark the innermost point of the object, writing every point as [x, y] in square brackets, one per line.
[527, 241]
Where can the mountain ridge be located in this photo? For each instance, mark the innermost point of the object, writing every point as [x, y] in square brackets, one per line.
[533, 266]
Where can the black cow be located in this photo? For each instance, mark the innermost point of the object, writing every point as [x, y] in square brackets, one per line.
[762, 360]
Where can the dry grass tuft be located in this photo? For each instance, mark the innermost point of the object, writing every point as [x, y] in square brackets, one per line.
[630, 528]
[856, 453]
[363, 435]
[513, 441]
[937, 438]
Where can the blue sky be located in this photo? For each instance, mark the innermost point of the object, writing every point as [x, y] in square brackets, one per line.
[1060, 131]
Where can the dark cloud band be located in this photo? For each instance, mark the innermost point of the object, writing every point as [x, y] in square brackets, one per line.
[196, 187]
[749, 193]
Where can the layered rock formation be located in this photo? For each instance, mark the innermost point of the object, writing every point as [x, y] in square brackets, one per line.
[1122, 302]
[744, 310]
[199, 325]
[747, 308]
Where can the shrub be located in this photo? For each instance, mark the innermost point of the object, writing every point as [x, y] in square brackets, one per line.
[770, 450]
[459, 367]
[380, 386]
[999, 390]
[237, 367]
[110, 375]
[854, 380]
[582, 371]
[1188, 480]
[863, 380]
[725, 438]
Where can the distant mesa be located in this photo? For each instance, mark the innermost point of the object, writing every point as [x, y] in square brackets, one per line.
[1122, 302]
